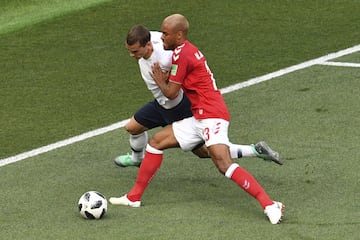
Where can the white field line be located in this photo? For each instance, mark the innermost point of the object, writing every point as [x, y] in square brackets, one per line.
[293, 68]
[231, 88]
[62, 143]
[341, 64]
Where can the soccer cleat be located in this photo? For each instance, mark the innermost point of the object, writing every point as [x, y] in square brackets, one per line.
[126, 161]
[265, 152]
[275, 212]
[124, 201]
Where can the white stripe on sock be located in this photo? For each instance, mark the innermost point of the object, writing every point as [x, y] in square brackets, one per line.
[229, 172]
[150, 149]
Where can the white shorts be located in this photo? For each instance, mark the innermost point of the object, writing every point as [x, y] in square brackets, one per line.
[190, 132]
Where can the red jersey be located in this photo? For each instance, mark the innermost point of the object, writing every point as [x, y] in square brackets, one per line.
[189, 68]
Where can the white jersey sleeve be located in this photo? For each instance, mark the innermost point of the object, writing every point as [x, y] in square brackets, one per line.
[164, 58]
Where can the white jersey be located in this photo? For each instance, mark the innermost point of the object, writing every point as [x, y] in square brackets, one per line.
[163, 57]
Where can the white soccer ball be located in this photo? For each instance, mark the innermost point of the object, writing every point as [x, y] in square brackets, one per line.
[92, 205]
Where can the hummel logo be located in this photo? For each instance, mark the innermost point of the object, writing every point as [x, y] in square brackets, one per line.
[246, 184]
[217, 128]
[176, 54]
[177, 51]
[198, 55]
[175, 57]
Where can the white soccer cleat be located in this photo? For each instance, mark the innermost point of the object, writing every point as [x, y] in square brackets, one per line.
[275, 212]
[265, 152]
[124, 201]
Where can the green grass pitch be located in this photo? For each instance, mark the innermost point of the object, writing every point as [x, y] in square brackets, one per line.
[68, 72]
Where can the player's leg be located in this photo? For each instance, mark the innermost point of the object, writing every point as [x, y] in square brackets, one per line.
[216, 139]
[221, 158]
[151, 163]
[138, 140]
[147, 117]
[260, 150]
[201, 151]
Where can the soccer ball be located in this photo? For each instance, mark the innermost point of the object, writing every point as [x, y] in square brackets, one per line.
[92, 205]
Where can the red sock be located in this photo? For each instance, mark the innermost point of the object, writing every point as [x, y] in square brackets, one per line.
[247, 182]
[150, 164]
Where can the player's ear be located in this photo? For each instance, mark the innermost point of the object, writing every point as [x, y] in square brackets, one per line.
[180, 35]
[148, 44]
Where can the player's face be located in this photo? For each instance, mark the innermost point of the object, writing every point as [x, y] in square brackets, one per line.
[137, 51]
[169, 37]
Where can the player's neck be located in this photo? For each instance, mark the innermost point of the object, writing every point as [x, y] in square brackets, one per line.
[180, 43]
[149, 52]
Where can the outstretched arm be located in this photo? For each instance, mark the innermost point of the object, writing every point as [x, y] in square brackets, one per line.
[169, 89]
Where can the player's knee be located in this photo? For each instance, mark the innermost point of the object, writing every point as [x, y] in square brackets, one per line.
[162, 141]
[129, 129]
[133, 129]
[154, 142]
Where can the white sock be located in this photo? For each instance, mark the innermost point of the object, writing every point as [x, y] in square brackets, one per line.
[239, 151]
[138, 144]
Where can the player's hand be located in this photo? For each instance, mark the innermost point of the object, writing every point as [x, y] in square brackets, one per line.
[158, 75]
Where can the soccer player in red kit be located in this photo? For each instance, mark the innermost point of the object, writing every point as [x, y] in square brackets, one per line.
[209, 123]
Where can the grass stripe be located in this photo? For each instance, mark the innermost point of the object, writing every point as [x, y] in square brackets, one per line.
[15, 15]
[229, 89]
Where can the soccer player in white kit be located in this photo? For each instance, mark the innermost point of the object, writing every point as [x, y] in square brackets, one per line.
[208, 124]
[147, 48]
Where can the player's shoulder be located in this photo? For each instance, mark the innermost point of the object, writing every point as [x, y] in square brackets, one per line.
[155, 37]
[160, 51]
[158, 46]
[161, 55]
[185, 52]
[186, 48]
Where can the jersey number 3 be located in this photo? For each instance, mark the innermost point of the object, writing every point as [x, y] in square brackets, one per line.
[207, 134]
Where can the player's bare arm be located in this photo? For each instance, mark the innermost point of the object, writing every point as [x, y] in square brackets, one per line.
[169, 89]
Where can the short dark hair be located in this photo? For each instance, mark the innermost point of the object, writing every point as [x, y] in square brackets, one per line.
[138, 33]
